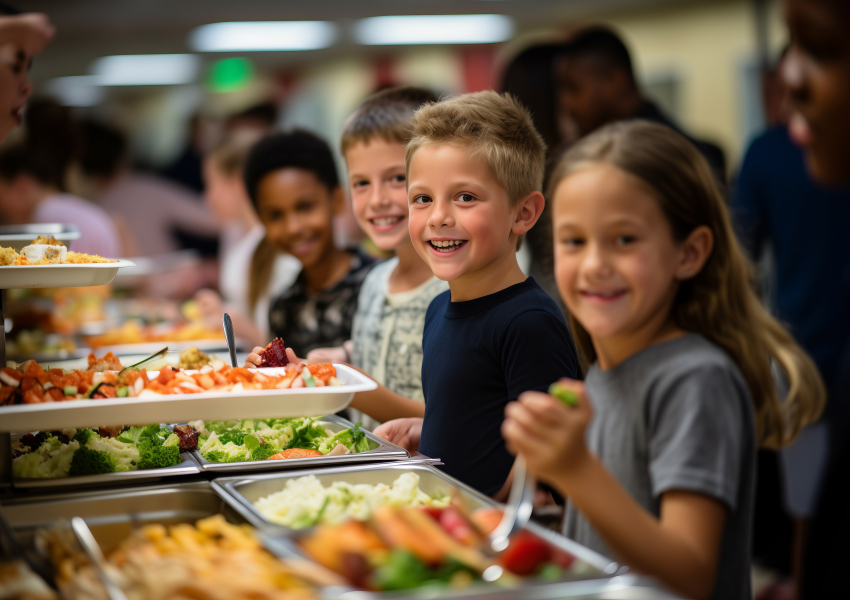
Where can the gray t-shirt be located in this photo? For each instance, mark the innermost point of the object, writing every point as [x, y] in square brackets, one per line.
[678, 416]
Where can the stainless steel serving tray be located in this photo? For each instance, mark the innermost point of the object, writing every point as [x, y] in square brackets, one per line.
[594, 580]
[242, 492]
[112, 515]
[382, 450]
[189, 466]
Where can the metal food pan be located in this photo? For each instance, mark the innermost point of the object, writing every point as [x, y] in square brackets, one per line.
[112, 515]
[189, 466]
[381, 450]
[242, 492]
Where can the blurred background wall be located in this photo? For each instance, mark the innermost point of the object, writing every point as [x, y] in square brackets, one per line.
[698, 59]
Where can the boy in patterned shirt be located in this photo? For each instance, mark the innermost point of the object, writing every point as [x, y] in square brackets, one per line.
[387, 332]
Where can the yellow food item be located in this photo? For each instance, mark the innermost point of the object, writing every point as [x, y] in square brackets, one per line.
[212, 559]
[8, 256]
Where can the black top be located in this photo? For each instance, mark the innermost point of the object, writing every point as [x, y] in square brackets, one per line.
[478, 356]
[712, 152]
[306, 321]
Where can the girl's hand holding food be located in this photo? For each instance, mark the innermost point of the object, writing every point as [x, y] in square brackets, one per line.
[402, 432]
[549, 431]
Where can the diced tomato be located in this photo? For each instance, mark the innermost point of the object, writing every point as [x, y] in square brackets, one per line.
[166, 375]
[105, 391]
[54, 394]
[29, 382]
[6, 393]
[33, 369]
[433, 511]
[10, 372]
[56, 377]
[456, 526]
[203, 380]
[525, 554]
[34, 395]
[323, 371]
[562, 558]
[156, 386]
[239, 374]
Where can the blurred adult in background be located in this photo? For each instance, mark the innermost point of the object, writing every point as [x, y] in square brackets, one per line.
[186, 168]
[817, 73]
[21, 38]
[260, 118]
[779, 208]
[597, 86]
[155, 209]
[252, 270]
[529, 77]
[29, 194]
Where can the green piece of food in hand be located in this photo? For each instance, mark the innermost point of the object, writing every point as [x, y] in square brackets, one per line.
[564, 394]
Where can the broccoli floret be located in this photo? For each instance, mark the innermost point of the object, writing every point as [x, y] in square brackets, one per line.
[216, 456]
[155, 456]
[91, 462]
[264, 452]
[83, 436]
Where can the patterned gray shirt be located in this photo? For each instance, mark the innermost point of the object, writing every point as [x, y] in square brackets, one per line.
[387, 333]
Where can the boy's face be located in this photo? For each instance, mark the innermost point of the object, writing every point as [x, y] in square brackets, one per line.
[816, 71]
[379, 191]
[460, 217]
[297, 211]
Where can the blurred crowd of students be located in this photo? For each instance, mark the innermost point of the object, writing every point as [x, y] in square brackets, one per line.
[271, 199]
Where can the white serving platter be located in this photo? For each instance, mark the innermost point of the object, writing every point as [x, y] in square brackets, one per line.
[19, 236]
[209, 406]
[53, 276]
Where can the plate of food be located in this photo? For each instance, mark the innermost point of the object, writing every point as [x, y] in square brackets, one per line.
[47, 263]
[33, 398]
[102, 455]
[295, 443]
[135, 338]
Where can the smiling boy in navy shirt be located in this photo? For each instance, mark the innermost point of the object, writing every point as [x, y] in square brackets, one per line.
[475, 170]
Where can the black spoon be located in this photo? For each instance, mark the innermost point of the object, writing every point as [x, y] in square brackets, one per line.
[231, 341]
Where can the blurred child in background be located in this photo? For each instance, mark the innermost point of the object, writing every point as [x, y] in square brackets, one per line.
[390, 317]
[252, 271]
[21, 38]
[662, 306]
[292, 182]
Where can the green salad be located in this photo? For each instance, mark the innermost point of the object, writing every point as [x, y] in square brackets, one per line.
[261, 439]
[72, 453]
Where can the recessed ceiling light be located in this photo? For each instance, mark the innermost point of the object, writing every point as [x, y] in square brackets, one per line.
[82, 90]
[255, 36]
[434, 29]
[146, 69]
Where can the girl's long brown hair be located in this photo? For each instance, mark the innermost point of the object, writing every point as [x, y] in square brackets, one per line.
[719, 302]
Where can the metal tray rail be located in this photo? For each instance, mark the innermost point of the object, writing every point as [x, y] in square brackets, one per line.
[189, 466]
[381, 451]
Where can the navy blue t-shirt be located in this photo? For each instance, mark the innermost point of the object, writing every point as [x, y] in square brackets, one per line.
[776, 200]
[478, 356]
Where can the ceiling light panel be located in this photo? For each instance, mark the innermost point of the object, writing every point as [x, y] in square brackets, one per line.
[258, 36]
[146, 69]
[434, 29]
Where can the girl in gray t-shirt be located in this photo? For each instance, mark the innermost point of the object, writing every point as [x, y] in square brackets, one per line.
[657, 456]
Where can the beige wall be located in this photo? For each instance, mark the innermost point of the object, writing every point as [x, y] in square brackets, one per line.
[706, 44]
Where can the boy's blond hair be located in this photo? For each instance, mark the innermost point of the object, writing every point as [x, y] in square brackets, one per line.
[385, 115]
[495, 128]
